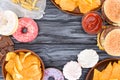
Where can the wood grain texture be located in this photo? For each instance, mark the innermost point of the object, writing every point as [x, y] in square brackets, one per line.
[60, 39]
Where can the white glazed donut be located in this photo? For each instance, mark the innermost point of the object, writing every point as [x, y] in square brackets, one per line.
[8, 22]
[54, 73]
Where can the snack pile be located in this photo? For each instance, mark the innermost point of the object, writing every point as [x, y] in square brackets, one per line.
[111, 72]
[27, 4]
[83, 5]
[22, 66]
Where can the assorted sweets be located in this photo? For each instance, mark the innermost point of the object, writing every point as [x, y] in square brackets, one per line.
[23, 29]
[111, 11]
[111, 72]
[86, 59]
[23, 65]
[27, 30]
[27, 4]
[84, 6]
[92, 23]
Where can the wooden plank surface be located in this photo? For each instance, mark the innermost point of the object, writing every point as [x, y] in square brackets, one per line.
[60, 39]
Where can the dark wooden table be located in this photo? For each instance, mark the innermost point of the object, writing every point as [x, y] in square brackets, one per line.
[60, 39]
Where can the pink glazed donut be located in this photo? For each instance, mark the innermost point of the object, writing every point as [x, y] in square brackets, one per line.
[53, 73]
[27, 30]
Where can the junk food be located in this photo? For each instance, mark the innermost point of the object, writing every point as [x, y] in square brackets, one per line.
[27, 30]
[88, 58]
[23, 66]
[72, 70]
[96, 74]
[92, 23]
[108, 40]
[27, 4]
[57, 1]
[88, 5]
[111, 72]
[69, 5]
[55, 73]
[111, 11]
[8, 22]
[83, 5]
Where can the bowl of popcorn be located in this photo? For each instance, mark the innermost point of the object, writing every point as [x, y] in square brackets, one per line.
[22, 65]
